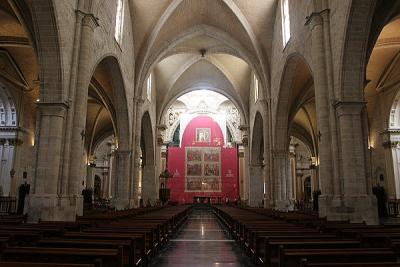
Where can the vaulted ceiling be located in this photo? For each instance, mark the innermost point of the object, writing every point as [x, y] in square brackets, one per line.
[15, 39]
[202, 44]
[384, 64]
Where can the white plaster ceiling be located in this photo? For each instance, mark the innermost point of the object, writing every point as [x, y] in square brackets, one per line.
[379, 69]
[194, 99]
[305, 122]
[181, 73]
[169, 35]
[15, 40]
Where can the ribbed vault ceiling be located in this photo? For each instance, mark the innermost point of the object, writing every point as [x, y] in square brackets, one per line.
[202, 44]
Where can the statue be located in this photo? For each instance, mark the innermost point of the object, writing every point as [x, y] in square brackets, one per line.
[23, 191]
[381, 197]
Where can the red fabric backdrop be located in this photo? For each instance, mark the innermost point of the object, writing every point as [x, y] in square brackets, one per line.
[177, 163]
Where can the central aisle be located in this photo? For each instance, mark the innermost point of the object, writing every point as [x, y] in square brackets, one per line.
[202, 242]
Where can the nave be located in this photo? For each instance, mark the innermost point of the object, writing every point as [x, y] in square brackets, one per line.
[117, 116]
[202, 242]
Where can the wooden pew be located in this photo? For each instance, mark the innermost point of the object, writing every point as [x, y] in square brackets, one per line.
[141, 252]
[360, 264]
[123, 238]
[107, 257]
[272, 246]
[268, 234]
[293, 257]
[46, 264]
[128, 246]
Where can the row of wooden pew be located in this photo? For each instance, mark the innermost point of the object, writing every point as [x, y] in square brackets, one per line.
[110, 239]
[291, 239]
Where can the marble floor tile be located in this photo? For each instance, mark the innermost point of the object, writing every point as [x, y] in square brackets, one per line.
[202, 242]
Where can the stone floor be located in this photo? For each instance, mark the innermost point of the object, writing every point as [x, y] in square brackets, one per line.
[201, 242]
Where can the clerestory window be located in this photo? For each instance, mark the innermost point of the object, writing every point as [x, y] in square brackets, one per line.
[285, 22]
[119, 21]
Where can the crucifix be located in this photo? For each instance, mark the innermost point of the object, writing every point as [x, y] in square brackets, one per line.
[83, 134]
[319, 136]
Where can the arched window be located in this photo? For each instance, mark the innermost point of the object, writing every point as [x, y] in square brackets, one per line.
[8, 120]
[176, 138]
[8, 112]
[2, 114]
[394, 126]
[394, 119]
[256, 88]
[149, 84]
[285, 22]
[119, 21]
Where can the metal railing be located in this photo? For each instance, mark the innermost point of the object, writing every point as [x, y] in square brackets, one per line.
[393, 207]
[8, 205]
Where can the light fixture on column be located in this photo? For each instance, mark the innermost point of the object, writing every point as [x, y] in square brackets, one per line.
[91, 161]
[313, 162]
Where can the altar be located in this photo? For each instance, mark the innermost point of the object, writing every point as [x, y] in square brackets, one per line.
[208, 199]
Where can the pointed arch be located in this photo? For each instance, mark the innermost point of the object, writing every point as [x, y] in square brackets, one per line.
[281, 124]
[118, 103]
[262, 71]
[365, 22]
[233, 47]
[48, 49]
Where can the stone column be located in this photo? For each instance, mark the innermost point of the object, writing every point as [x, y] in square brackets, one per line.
[256, 185]
[105, 184]
[89, 176]
[122, 179]
[315, 178]
[16, 148]
[137, 151]
[292, 173]
[395, 190]
[242, 177]
[6, 164]
[244, 163]
[390, 140]
[315, 21]
[358, 203]
[299, 185]
[280, 161]
[137, 177]
[149, 184]
[80, 106]
[112, 175]
[268, 200]
[43, 202]
[330, 188]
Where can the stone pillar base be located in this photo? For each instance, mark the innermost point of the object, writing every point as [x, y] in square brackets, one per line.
[133, 203]
[268, 203]
[282, 205]
[53, 207]
[121, 204]
[361, 208]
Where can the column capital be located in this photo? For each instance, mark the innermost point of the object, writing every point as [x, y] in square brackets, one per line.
[263, 102]
[244, 127]
[316, 18]
[349, 107]
[88, 19]
[279, 154]
[138, 100]
[391, 144]
[123, 152]
[53, 108]
[256, 165]
[15, 141]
